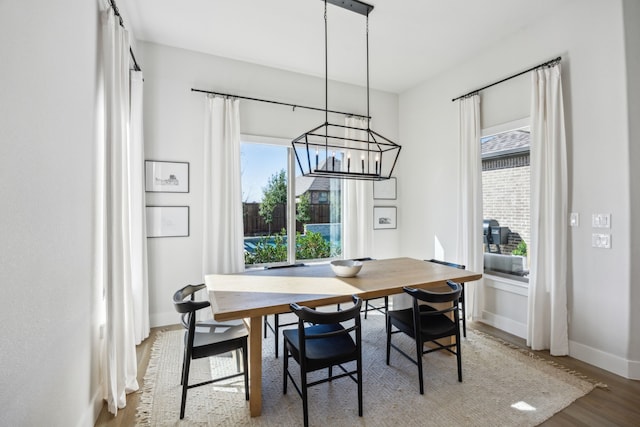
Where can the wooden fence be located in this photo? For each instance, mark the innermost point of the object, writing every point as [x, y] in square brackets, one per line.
[254, 224]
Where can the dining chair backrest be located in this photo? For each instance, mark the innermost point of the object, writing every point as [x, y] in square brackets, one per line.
[462, 299]
[184, 303]
[436, 297]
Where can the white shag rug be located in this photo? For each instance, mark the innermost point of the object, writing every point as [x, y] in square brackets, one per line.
[502, 386]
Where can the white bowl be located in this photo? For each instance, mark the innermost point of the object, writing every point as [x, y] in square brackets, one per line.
[346, 268]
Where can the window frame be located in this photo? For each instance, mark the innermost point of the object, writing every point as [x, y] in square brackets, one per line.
[514, 125]
[291, 201]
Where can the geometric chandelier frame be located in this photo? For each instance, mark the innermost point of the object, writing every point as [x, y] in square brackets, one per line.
[340, 151]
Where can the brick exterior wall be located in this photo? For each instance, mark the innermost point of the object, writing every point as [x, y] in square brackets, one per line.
[506, 196]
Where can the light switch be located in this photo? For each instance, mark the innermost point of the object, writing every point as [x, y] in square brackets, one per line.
[575, 219]
[601, 220]
[599, 240]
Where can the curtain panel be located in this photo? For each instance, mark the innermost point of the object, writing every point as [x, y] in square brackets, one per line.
[470, 244]
[139, 266]
[357, 206]
[115, 227]
[223, 230]
[547, 316]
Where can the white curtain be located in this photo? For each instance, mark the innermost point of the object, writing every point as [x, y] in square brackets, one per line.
[223, 248]
[357, 197]
[114, 225]
[547, 316]
[139, 270]
[470, 244]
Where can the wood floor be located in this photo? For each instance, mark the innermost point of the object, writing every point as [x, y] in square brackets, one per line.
[616, 405]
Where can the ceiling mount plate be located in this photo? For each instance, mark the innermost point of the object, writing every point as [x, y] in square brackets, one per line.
[353, 5]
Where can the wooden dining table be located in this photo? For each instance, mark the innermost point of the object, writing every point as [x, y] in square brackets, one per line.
[256, 293]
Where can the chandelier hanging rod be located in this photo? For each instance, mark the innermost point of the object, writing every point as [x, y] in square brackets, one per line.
[286, 104]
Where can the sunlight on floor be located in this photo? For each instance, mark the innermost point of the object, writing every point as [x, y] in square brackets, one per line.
[523, 406]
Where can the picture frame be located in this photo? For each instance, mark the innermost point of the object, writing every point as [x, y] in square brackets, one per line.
[384, 217]
[166, 177]
[167, 221]
[385, 189]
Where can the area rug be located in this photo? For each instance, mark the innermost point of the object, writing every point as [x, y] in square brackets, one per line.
[501, 387]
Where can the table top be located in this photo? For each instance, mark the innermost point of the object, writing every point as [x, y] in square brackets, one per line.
[260, 292]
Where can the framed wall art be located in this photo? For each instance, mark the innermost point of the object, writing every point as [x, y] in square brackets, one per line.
[384, 217]
[167, 221]
[166, 177]
[385, 189]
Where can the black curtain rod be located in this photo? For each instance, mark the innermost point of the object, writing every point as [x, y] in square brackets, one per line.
[279, 103]
[117, 13]
[545, 64]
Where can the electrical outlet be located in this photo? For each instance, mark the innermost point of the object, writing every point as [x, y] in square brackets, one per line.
[601, 220]
[601, 240]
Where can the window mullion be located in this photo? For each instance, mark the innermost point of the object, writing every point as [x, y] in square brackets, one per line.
[291, 207]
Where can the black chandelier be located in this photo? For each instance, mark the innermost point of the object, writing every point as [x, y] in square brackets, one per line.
[341, 151]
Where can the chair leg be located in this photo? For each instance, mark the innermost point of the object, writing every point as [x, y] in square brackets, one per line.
[463, 311]
[285, 368]
[266, 325]
[184, 361]
[359, 363]
[305, 403]
[245, 364]
[459, 356]
[185, 384]
[419, 346]
[388, 337]
[276, 324]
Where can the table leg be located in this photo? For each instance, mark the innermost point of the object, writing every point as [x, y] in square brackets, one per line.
[255, 366]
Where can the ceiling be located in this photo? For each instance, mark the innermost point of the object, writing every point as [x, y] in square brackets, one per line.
[409, 40]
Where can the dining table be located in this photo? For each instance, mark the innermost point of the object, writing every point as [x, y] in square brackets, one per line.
[252, 294]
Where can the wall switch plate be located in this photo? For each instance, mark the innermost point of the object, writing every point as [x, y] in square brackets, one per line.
[574, 221]
[601, 240]
[601, 220]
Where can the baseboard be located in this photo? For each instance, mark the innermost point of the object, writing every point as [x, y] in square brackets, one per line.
[625, 368]
[634, 370]
[505, 324]
[609, 362]
[164, 319]
[92, 412]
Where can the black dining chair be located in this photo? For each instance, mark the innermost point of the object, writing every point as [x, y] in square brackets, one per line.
[276, 317]
[218, 338]
[326, 344]
[463, 311]
[426, 324]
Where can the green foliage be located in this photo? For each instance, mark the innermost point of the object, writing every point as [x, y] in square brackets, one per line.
[267, 252]
[312, 246]
[521, 249]
[303, 209]
[273, 194]
[308, 246]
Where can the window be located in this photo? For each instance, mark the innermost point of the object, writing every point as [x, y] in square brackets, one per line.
[506, 198]
[287, 217]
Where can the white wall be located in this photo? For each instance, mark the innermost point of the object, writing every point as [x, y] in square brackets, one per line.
[174, 130]
[631, 10]
[589, 37]
[48, 97]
